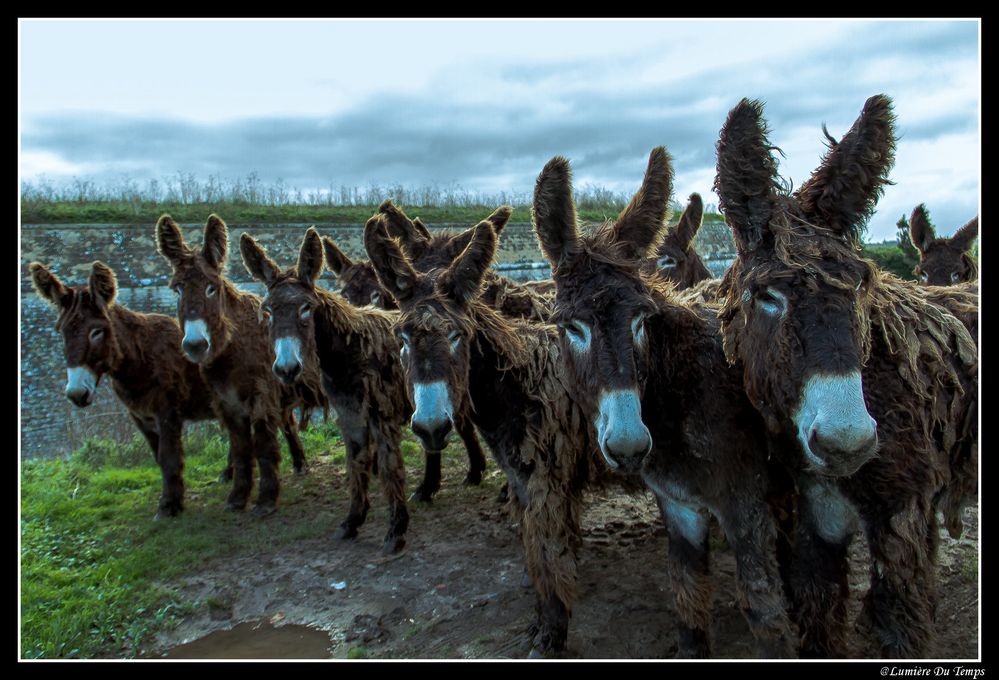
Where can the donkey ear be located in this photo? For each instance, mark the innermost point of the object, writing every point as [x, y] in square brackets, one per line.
[746, 178]
[336, 259]
[310, 256]
[421, 228]
[103, 284]
[500, 217]
[413, 239]
[216, 242]
[921, 231]
[463, 279]
[641, 223]
[394, 271]
[260, 267]
[554, 212]
[690, 221]
[170, 240]
[456, 246]
[49, 286]
[844, 190]
[966, 235]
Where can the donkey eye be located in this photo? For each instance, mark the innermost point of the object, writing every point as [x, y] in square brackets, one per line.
[924, 277]
[638, 326]
[954, 277]
[178, 289]
[265, 312]
[578, 334]
[666, 262]
[454, 337]
[376, 298]
[304, 312]
[96, 334]
[210, 290]
[405, 337]
[771, 301]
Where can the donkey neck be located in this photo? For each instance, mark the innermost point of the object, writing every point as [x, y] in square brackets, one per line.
[130, 341]
[348, 338]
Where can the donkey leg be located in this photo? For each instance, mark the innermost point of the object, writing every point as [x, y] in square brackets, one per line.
[476, 458]
[551, 536]
[689, 575]
[151, 435]
[359, 460]
[290, 430]
[750, 530]
[392, 472]
[431, 483]
[820, 570]
[900, 605]
[268, 453]
[241, 456]
[171, 460]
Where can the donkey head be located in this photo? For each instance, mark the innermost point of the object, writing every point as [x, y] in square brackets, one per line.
[200, 284]
[436, 328]
[290, 304]
[358, 281]
[602, 301]
[89, 342]
[797, 298]
[942, 261]
[675, 259]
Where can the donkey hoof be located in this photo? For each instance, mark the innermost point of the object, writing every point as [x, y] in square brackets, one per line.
[504, 494]
[225, 475]
[422, 495]
[167, 512]
[472, 479]
[393, 544]
[235, 506]
[536, 654]
[302, 470]
[261, 510]
[343, 533]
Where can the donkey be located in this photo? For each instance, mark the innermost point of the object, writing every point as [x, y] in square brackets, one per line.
[942, 261]
[633, 349]
[461, 356]
[675, 258]
[141, 353]
[873, 384]
[314, 331]
[359, 284]
[224, 338]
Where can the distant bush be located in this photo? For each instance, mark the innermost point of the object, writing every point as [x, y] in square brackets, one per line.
[891, 258]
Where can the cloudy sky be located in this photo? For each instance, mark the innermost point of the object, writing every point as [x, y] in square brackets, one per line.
[484, 104]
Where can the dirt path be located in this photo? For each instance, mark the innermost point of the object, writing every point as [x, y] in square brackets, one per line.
[455, 591]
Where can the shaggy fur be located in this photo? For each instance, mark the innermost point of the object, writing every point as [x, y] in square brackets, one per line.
[141, 354]
[709, 446]
[675, 259]
[508, 377]
[359, 284]
[354, 350]
[246, 395]
[840, 313]
[942, 261]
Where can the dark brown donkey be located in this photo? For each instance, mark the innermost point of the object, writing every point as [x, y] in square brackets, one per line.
[353, 348]
[463, 357]
[141, 353]
[224, 337]
[359, 284]
[873, 385]
[651, 376]
[942, 261]
[675, 258]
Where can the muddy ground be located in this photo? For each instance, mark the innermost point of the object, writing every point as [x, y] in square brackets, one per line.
[455, 591]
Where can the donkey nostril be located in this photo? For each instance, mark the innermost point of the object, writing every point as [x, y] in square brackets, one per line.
[80, 397]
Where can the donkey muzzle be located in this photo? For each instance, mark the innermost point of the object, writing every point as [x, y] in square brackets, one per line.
[624, 440]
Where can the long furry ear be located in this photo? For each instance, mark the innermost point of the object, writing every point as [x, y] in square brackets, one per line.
[393, 269]
[642, 222]
[463, 279]
[746, 181]
[216, 242]
[844, 190]
[103, 284]
[965, 236]
[414, 240]
[554, 212]
[170, 240]
[260, 267]
[310, 256]
[421, 228]
[500, 217]
[336, 259]
[690, 221]
[48, 286]
[921, 231]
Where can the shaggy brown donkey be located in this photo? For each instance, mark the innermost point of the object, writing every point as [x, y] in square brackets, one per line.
[141, 353]
[463, 357]
[651, 376]
[942, 261]
[675, 259]
[314, 331]
[359, 284]
[873, 383]
[224, 337]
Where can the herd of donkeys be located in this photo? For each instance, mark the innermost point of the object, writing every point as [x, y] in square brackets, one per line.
[802, 397]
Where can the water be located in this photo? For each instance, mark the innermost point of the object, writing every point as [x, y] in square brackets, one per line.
[257, 640]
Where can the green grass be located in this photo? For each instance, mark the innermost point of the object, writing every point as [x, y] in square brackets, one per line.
[357, 653]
